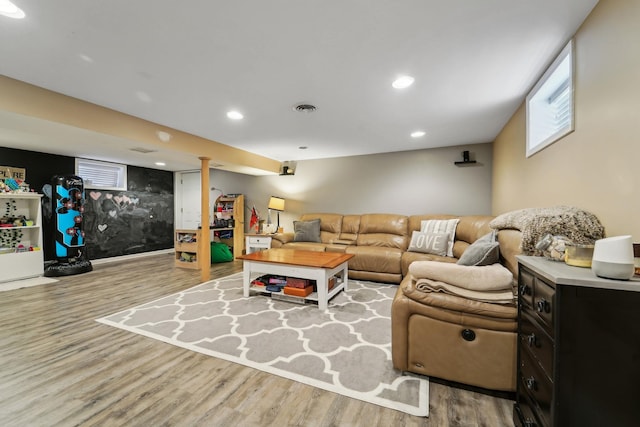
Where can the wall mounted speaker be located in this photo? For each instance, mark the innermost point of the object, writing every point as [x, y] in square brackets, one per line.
[288, 168]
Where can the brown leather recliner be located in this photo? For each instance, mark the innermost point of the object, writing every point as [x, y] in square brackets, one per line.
[455, 338]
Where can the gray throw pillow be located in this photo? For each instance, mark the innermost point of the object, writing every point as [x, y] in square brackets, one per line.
[307, 231]
[484, 251]
[429, 243]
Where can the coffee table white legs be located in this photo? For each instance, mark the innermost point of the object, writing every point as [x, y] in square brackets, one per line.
[320, 275]
[246, 277]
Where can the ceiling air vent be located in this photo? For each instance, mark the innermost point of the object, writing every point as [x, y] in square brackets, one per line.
[143, 150]
[305, 108]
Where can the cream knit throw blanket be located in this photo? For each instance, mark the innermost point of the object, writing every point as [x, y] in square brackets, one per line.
[577, 225]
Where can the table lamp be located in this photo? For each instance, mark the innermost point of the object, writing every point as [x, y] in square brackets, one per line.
[277, 204]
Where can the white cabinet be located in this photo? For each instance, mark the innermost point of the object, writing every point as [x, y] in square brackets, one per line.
[21, 253]
[257, 242]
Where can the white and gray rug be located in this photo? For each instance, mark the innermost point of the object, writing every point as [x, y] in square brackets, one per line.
[346, 350]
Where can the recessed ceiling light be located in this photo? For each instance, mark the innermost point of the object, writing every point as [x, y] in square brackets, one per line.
[11, 10]
[403, 82]
[161, 164]
[235, 115]
[143, 96]
[418, 134]
[163, 136]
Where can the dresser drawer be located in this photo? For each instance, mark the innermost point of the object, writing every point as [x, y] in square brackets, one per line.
[536, 385]
[525, 287]
[543, 302]
[526, 415]
[537, 341]
[253, 240]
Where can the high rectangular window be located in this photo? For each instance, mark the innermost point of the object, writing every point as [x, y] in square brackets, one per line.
[102, 175]
[550, 103]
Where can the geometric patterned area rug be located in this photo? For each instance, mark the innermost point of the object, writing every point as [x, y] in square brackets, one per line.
[346, 349]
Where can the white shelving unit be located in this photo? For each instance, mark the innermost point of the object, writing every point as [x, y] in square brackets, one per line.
[15, 264]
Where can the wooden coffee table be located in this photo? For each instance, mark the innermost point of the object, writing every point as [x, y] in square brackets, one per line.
[318, 266]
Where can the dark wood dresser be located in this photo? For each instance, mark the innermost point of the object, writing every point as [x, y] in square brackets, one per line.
[578, 347]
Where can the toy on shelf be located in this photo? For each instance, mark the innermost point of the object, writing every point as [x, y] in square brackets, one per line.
[10, 185]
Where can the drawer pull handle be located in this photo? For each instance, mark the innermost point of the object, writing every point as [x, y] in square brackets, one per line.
[531, 383]
[525, 290]
[543, 306]
[532, 340]
[529, 423]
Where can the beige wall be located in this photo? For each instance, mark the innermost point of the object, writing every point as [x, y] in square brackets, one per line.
[596, 167]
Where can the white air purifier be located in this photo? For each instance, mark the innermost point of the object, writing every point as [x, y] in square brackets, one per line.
[613, 258]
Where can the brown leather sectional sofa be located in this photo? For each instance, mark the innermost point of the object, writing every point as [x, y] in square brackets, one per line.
[380, 241]
[433, 333]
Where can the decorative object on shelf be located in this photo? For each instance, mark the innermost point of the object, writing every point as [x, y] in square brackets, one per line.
[466, 159]
[277, 204]
[613, 258]
[553, 247]
[288, 168]
[578, 255]
[254, 222]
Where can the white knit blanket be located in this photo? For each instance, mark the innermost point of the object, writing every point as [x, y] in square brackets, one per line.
[577, 225]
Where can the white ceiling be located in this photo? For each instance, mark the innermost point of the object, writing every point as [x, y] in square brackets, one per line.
[185, 64]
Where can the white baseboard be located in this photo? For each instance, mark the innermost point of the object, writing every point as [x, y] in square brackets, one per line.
[132, 256]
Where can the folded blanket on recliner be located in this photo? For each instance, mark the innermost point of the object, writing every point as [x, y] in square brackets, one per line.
[496, 297]
[487, 278]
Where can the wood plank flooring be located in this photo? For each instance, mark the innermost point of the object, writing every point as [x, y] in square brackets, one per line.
[59, 367]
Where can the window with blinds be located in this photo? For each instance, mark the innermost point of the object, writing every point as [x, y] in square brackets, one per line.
[103, 175]
[550, 104]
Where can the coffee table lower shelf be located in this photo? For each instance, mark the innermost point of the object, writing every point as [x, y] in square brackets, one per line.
[312, 297]
[320, 274]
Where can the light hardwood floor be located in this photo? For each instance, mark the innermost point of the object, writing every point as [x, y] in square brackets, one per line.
[59, 367]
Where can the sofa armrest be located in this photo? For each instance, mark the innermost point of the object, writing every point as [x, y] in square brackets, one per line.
[280, 239]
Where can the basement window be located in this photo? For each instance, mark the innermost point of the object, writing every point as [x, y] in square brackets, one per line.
[102, 175]
[550, 104]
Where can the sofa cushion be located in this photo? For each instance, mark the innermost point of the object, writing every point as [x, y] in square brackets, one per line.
[350, 228]
[375, 259]
[429, 243]
[385, 230]
[307, 231]
[484, 251]
[442, 226]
